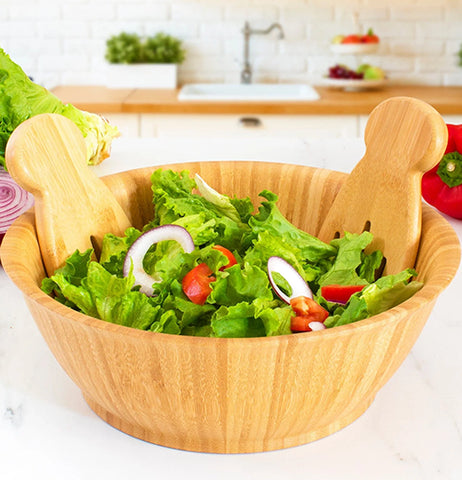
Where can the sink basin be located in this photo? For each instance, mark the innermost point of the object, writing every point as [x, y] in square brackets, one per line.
[255, 92]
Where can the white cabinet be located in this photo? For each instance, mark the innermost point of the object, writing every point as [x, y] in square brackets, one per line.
[456, 119]
[244, 126]
[235, 126]
[253, 126]
[127, 123]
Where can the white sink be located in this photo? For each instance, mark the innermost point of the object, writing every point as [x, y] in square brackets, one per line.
[255, 92]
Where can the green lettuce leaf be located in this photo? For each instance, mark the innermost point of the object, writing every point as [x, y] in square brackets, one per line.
[371, 266]
[242, 302]
[385, 293]
[389, 291]
[21, 99]
[237, 285]
[269, 219]
[174, 199]
[348, 259]
[237, 321]
[66, 281]
[355, 310]
[275, 316]
[114, 249]
[221, 202]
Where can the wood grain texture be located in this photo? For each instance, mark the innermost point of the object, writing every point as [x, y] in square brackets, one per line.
[46, 155]
[233, 395]
[404, 138]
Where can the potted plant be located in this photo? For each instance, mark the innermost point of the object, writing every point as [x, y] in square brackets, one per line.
[143, 62]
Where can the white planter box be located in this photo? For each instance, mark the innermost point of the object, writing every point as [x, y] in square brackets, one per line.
[142, 75]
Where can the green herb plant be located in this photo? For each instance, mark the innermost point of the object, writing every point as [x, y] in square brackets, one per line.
[130, 48]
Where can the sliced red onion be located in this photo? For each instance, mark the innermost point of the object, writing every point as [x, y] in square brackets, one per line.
[141, 245]
[316, 326]
[296, 282]
[14, 201]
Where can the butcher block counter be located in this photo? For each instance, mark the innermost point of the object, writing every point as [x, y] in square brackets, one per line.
[447, 100]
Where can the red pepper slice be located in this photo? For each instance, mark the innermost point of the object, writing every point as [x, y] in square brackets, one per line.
[442, 185]
[307, 311]
[340, 293]
[196, 283]
[231, 258]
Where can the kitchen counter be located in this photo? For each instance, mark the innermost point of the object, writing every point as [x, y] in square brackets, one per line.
[411, 431]
[447, 100]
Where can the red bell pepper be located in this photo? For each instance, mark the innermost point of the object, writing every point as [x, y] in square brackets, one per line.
[442, 185]
[306, 311]
[339, 293]
[231, 258]
[196, 283]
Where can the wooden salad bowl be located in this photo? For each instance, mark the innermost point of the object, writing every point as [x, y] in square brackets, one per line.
[233, 395]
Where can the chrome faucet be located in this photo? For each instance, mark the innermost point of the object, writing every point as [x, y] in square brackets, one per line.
[246, 73]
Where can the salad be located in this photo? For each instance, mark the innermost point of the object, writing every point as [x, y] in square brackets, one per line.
[212, 265]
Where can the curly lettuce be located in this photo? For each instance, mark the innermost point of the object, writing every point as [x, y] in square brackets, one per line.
[242, 302]
[21, 99]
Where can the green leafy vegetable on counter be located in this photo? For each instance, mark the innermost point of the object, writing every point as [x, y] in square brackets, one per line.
[21, 99]
[240, 300]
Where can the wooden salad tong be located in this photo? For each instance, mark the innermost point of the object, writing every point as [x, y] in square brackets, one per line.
[46, 155]
[404, 138]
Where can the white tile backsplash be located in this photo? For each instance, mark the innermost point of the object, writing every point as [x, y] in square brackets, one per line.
[63, 41]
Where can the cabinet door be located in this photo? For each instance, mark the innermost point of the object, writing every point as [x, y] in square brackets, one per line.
[127, 123]
[456, 119]
[252, 126]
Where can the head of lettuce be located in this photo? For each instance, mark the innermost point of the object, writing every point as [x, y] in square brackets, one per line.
[21, 98]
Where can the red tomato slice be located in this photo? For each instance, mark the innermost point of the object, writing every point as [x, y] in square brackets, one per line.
[340, 293]
[196, 283]
[307, 311]
[231, 258]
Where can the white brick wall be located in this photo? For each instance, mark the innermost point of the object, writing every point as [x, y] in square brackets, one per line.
[63, 41]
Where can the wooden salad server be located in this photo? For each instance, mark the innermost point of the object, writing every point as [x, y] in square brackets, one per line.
[404, 138]
[46, 155]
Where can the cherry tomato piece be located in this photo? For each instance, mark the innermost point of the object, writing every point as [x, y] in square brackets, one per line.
[304, 324]
[196, 283]
[307, 311]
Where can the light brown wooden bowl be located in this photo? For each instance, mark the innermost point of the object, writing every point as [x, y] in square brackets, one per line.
[233, 395]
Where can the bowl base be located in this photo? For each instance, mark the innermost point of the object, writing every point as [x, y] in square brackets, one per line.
[238, 446]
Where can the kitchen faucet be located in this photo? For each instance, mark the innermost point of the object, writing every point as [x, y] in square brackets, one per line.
[246, 74]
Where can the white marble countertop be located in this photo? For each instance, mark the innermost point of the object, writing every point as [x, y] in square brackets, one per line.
[412, 431]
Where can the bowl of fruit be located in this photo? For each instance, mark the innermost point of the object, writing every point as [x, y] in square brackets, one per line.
[364, 77]
[253, 364]
[355, 44]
